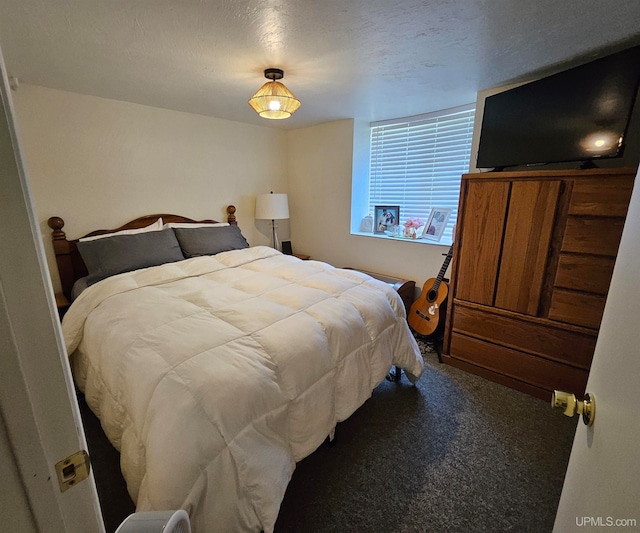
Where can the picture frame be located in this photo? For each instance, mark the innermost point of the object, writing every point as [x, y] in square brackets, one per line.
[436, 224]
[384, 218]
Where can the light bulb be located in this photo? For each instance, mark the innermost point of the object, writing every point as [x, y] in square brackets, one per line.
[274, 105]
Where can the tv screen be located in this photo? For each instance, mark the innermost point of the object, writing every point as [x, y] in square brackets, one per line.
[579, 114]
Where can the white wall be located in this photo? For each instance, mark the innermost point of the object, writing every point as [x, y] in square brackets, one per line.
[320, 168]
[99, 163]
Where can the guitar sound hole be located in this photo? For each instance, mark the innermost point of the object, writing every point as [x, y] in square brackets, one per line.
[432, 295]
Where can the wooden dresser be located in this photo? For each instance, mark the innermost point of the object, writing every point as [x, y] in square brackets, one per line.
[532, 263]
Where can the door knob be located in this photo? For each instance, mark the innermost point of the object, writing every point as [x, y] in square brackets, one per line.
[572, 406]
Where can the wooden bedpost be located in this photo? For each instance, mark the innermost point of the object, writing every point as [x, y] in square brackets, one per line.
[62, 250]
[56, 224]
[231, 215]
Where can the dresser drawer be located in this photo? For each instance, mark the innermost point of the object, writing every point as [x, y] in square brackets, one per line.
[577, 308]
[600, 236]
[605, 197]
[537, 337]
[584, 273]
[536, 371]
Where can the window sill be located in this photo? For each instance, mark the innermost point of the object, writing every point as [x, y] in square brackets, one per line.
[400, 239]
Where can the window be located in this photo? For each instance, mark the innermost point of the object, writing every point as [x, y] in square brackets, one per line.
[416, 163]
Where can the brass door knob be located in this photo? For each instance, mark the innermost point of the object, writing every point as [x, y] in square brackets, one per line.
[572, 406]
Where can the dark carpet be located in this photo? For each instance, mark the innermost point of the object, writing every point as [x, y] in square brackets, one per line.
[456, 453]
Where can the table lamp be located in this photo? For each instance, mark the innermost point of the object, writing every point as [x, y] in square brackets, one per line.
[272, 207]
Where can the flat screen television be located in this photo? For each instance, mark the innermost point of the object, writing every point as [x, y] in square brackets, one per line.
[580, 114]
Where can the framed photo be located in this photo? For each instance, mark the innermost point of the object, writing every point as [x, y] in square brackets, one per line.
[385, 217]
[437, 222]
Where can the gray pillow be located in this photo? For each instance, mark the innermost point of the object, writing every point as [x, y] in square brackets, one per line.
[124, 253]
[78, 287]
[210, 240]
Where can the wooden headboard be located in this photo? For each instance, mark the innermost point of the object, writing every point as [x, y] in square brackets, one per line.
[71, 267]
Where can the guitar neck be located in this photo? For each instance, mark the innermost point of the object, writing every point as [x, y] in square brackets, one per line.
[445, 265]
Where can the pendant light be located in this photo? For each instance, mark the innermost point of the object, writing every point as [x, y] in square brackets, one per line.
[273, 100]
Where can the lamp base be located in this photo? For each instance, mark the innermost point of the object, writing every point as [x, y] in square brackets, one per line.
[276, 243]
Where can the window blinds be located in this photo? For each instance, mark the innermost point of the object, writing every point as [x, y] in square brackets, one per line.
[417, 163]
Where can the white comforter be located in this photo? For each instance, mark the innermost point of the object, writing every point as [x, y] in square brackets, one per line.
[214, 375]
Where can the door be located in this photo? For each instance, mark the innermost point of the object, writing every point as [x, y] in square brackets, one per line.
[506, 232]
[39, 417]
[481, 228]
[602, 484]
[527, 241]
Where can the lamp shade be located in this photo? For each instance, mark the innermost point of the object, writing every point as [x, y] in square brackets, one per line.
[272, 206]
[273, 99]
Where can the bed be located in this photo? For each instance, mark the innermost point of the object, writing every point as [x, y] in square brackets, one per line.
[215, 373]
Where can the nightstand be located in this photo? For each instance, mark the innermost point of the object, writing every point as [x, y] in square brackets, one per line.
[302, 256]
[62, 303]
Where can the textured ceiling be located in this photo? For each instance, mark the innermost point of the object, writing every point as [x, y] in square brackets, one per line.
[363, 59]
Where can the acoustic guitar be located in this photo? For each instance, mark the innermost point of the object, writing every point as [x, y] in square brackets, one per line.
[428, 312]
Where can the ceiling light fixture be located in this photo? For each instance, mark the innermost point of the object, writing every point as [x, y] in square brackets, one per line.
[273, 99]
